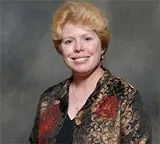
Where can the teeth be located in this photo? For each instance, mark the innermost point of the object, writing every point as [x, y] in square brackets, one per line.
[80, 59]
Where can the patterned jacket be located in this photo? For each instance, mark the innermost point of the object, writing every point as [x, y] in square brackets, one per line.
[113, 114]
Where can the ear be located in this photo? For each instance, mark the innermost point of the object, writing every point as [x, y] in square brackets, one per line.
[103, 51]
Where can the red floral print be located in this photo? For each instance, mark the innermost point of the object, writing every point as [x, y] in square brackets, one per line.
[107, 107]
[47, 123]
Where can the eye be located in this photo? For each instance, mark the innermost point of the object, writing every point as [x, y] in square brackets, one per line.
[87, 38]
[66, 42]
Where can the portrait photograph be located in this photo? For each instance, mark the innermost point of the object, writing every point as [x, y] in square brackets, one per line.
[80, 71]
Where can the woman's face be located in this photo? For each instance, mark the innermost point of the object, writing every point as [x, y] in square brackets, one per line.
[81, 49]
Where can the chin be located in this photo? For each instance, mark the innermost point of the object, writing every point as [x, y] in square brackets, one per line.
[83, 71]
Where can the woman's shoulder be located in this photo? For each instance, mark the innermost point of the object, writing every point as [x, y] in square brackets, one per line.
[56, 87]
[55, 91]
[121, 87]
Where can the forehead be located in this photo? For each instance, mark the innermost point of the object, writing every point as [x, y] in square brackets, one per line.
[70, 30]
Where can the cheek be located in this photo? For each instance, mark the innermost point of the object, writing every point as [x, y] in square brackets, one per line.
[65, 53]
[95, 49]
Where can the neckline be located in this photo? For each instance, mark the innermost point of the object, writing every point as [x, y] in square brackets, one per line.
[64, 100]
[68, 118]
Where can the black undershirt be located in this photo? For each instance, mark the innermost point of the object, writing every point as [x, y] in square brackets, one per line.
[65, 135]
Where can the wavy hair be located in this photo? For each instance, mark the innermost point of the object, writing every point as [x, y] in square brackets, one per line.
[82, 14]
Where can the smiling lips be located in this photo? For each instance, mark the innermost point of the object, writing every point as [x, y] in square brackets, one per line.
[80, 59]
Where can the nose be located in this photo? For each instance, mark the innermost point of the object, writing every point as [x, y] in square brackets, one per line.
[78, 46]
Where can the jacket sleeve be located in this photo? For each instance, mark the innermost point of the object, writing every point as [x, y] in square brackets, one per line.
[44, 102]
[135, 124]
[33, 138]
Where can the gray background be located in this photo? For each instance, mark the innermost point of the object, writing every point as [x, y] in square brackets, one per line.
[30, 64]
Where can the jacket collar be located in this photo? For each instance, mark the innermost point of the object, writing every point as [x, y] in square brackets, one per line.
[65, 90]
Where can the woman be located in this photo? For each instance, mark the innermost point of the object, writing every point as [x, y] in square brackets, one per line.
[93, 106]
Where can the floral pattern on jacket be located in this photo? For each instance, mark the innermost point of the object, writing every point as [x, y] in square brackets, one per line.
[113, 114]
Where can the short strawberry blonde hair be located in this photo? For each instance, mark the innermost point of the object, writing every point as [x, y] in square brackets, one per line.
[82, 14]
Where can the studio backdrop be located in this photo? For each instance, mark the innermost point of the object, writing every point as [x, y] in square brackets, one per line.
[30, 64]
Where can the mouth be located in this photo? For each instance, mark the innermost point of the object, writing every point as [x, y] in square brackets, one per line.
[80, 59]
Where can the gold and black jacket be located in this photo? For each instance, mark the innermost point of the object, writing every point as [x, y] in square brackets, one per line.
[113, 114]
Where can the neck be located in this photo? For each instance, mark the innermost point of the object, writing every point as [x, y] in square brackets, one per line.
[85, 81]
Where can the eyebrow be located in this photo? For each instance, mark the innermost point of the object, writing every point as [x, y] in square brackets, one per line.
[81, 36]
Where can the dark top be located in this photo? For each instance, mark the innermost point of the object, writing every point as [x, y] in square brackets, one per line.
[65, 135]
